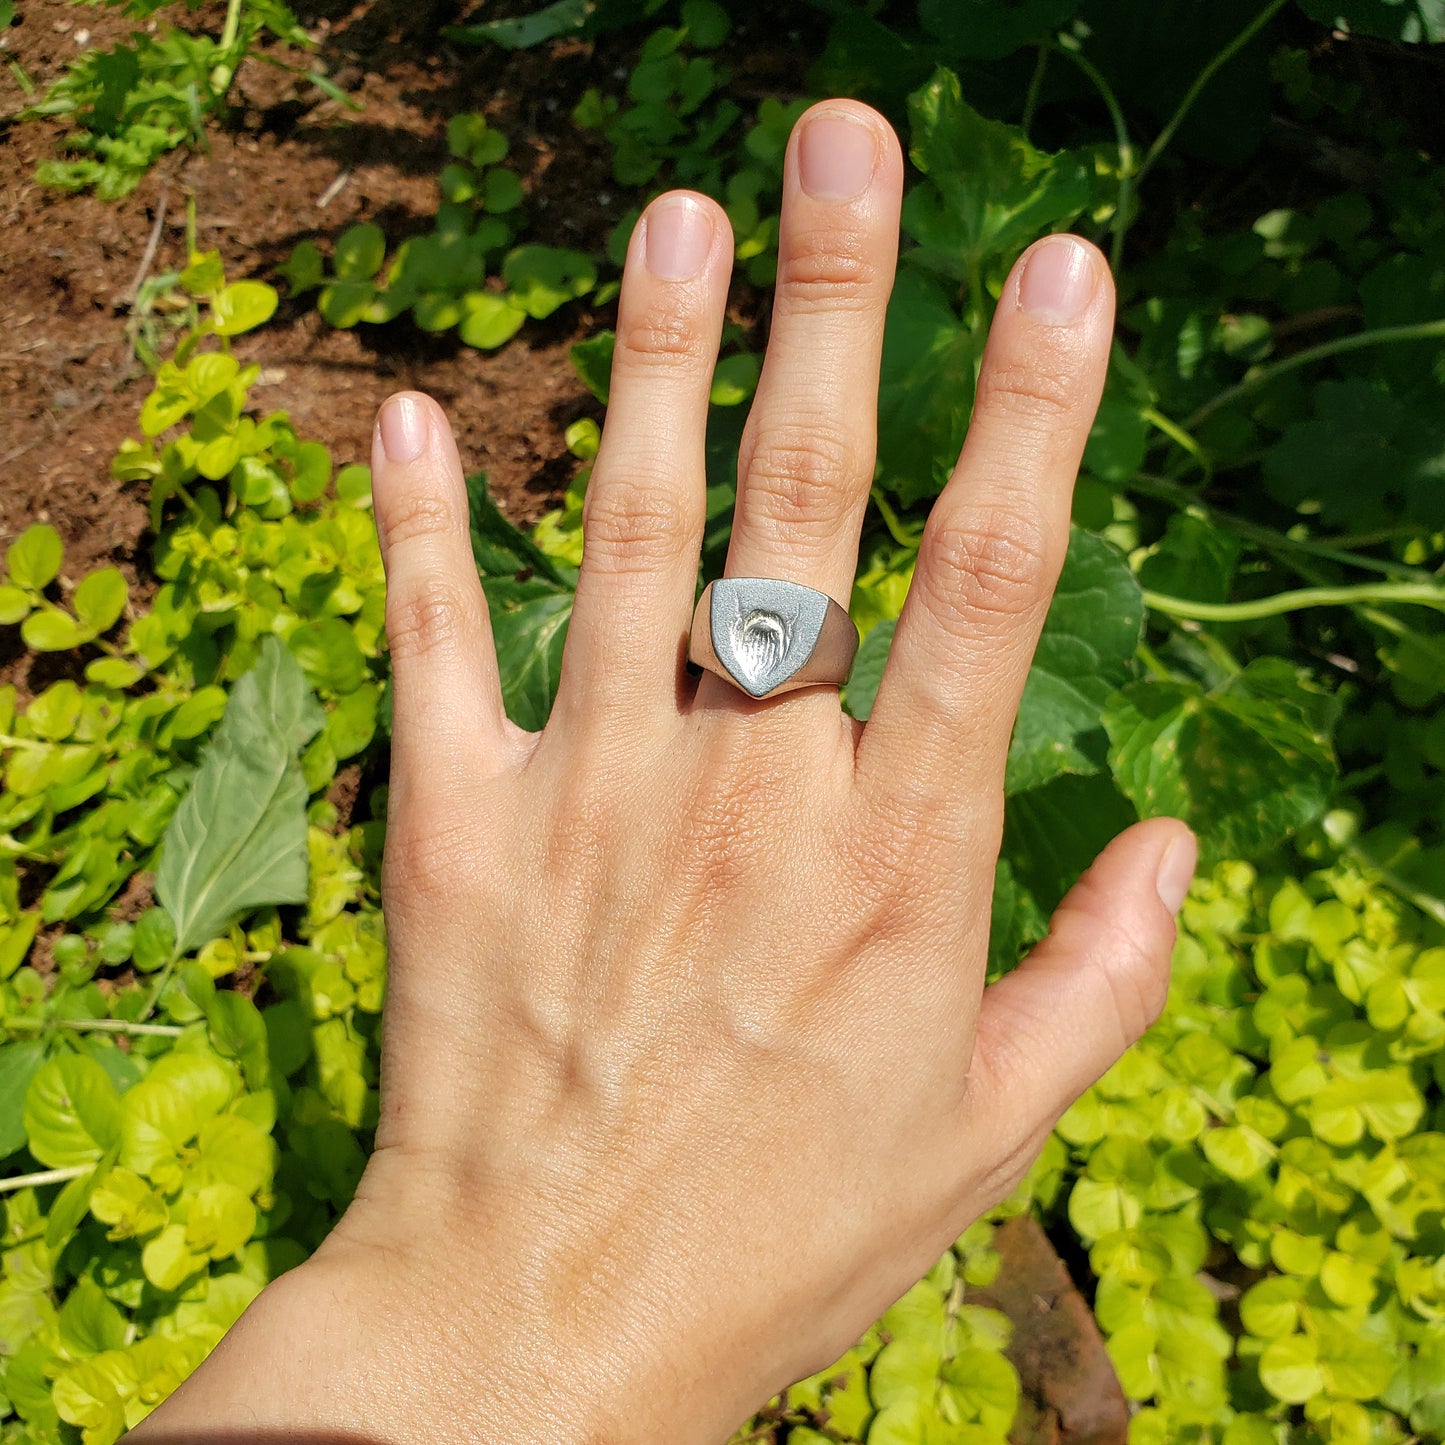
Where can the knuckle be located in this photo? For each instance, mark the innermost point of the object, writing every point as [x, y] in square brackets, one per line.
[1035, 395]
[828, 269]
[421, 862]
[416, 515]
[429, 614]
[655, 338]
[797, 479]
[985, 567]
[633, 522]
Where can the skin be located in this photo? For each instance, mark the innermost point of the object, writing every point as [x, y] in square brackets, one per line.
[689, 1066]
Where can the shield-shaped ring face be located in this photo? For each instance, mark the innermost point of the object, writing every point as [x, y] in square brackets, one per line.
[763, 631]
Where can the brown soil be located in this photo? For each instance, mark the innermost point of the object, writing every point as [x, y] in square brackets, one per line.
[287, 165]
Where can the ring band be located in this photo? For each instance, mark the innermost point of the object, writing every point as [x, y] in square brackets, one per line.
[765, 636]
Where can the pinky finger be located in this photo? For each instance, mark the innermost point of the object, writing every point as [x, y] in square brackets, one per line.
[448, 724]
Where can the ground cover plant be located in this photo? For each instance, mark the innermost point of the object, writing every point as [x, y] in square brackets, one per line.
[132, 103]
[1247, 633]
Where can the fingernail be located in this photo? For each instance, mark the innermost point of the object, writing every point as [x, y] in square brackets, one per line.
[1176, 871]
[836, 156]
[678, 238]
[1058, 280]
[403, 428]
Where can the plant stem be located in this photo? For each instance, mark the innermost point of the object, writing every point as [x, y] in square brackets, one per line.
[224, 73]
[1122, 201]
[1036, 81]
[44, 1176]
[1166, 490]
[98, 1026]
[1162, 140]
[1422, 594]
[1380, 336]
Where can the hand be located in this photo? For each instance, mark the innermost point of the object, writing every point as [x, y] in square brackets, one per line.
[689, 1067]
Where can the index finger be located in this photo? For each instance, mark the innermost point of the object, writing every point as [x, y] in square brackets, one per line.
[996, 538]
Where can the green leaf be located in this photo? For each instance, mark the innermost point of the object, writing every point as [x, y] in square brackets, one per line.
[50, 630]
[1237, 1153]
[592, 361]
[33, 558]
[925, 388]
[986, 30]
[1245, 765]
[125, 1202]
[304, 268]
[14, 605]
[530, 598]
[360, 250]
[1289, 1369]
[89, 1322]
[238, 839]
[501, 191]
[329, 654]
[344, 303]
[735, 378]
[542, 278]
[1194, 560]
[522, 32]
[168, 1261]
[489, 320]
[19, 1061]
[72, 1112]
[100, 599]
[1330, 462]
[243, 306]
[868, 666]
[1089, 639]
[1409, 20]
[530, 635]
[989, 192]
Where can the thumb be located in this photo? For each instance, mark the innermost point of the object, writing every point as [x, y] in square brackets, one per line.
[1050, 1028]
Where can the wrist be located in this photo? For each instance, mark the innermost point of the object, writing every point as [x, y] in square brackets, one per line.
[347, 1349]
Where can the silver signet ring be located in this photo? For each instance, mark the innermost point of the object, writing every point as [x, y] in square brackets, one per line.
[766, 636]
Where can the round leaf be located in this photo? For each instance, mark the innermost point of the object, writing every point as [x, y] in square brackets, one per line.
[243, 306]
[360, 250]
[14, 605]
[100, 599]
[51, 630]
[34, 557]
[490, 320]
[1289, 1369]
[72, 1112]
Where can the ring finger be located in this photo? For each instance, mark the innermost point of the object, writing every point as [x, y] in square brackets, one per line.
[807, 456]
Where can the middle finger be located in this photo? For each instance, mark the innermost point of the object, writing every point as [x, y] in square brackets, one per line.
[806, 462]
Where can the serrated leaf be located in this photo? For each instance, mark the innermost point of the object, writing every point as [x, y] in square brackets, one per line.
[1245, 765]
[238, 839]
[989, 192]
[1088, 641]
[925, 387]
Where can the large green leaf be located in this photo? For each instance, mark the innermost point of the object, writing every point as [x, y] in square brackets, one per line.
[18, 1062]
[1245, 765]
[1088, 641]
[529, 595]
[238, 839]
[989, 192]
[989, 30]
[72, 1112]
[925, 388]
